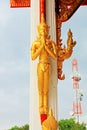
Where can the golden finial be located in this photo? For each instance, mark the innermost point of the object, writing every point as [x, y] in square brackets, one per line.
[50, 112]
[43, 19]
[50, 123]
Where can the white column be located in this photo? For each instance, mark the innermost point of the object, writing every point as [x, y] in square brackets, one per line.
[51, 21]
[34, 117]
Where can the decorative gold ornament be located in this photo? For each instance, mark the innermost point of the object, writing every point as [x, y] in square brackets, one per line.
[68, 2]
[43, 48]
[67, 8]
[50, 123]
[64, 10]
[64, 53]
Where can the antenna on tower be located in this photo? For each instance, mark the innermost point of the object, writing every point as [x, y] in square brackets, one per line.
[77, 107]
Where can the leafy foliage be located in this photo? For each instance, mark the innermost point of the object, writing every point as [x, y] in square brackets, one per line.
[70, 124]
[64, 124]
[25, 127]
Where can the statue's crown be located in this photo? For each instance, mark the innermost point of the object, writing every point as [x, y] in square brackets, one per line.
[43, 23]
[43, 19]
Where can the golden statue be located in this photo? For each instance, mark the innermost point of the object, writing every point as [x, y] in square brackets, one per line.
[43, 48]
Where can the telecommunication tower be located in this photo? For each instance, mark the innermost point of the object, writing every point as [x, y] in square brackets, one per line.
[77, 107]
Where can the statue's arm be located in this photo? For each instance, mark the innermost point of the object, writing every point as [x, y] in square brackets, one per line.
[54, 47]
[35, 50]
[52, 51]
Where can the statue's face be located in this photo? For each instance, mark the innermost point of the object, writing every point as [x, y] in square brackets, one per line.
[43, 30]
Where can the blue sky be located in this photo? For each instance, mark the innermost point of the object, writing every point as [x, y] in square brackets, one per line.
[78, 25]
[14, 64]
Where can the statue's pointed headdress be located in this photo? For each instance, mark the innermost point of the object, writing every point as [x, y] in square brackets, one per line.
[43, 23]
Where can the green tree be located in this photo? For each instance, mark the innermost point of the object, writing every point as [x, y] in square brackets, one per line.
[66, 124]
[70, 124]
[14, 128]
[79, 126]
[24, 127]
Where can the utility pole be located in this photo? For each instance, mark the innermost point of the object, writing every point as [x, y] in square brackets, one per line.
[77, 106]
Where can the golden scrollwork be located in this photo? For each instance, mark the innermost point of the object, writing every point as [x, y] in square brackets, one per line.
[64, 53]
[67, 8]
[43, 48]
[68, 2]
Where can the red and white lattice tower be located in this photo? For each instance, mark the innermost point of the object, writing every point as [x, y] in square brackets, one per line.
[77, 107]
